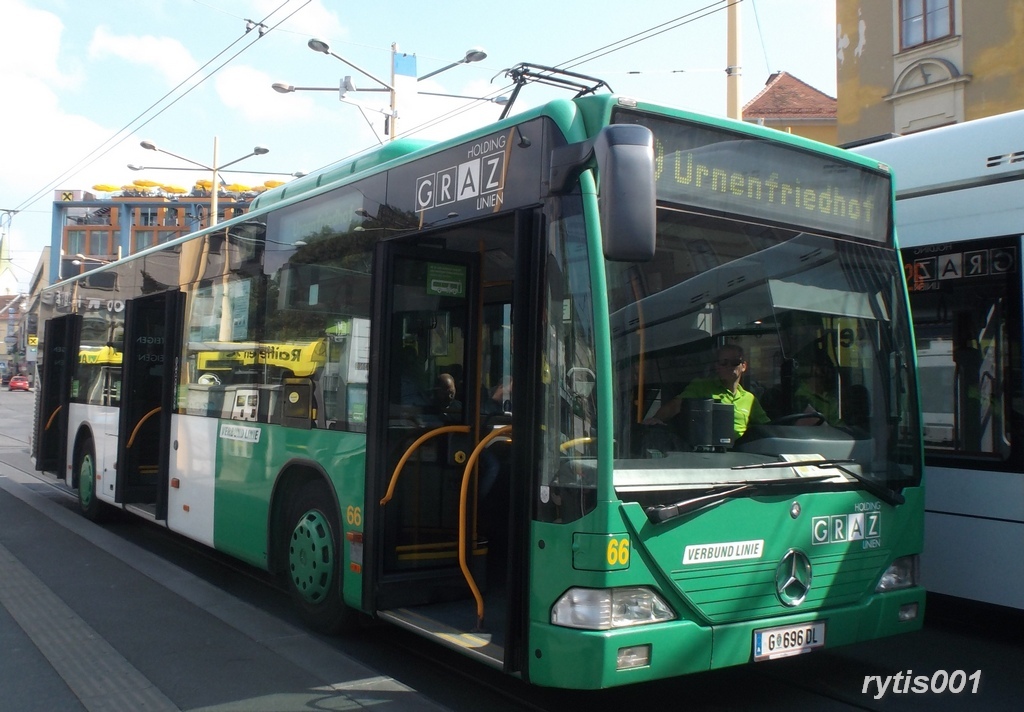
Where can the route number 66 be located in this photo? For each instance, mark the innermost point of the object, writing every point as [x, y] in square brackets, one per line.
[618, 552]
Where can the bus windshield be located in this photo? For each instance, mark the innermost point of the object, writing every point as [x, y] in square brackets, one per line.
[820, 329]
[745, 344]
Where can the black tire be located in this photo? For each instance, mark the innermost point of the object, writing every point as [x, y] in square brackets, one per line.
[313, 560]
[85, 475]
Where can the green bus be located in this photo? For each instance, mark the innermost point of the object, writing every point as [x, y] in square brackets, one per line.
[569, 270]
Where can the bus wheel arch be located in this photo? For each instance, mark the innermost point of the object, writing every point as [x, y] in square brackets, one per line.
[306, 546]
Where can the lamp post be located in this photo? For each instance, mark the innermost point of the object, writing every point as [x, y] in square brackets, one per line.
[81, 259]
[135, 167]
[346, 85]
[256, 151]
[86, 263]
[473, 54]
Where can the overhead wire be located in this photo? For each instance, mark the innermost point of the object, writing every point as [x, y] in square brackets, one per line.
[133, 125]
[644, 35]
[119, 136]
[631, 40]
[760, 35]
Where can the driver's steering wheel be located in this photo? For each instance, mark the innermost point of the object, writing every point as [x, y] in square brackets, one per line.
[792, 418]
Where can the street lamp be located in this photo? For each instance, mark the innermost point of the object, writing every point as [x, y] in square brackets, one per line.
[256, 151]
[81, 259]
[343, 89]
[87, 263]
[474, 54]
[134, 167]
[346, 85]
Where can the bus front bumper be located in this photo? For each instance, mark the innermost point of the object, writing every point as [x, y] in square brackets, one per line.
[579, 659]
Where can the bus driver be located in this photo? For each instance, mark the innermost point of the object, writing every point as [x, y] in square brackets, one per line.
[730, 365]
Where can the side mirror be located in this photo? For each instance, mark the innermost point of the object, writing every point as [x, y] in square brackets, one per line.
[624, 157]
[625, 168]
[581, 381]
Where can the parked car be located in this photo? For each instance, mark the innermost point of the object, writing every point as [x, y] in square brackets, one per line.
[18, 383]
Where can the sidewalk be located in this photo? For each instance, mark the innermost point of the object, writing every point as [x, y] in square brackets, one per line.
[89, 621]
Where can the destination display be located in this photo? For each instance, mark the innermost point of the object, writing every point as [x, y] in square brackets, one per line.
[735, 173]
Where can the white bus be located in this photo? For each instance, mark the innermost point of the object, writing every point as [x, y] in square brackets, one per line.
[960, 219]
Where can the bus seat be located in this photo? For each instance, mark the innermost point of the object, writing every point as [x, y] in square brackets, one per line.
[856, 406]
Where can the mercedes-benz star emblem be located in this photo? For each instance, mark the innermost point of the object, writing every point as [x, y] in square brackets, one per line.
[793, 578]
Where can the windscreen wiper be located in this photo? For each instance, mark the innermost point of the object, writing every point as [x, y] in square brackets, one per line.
[884, 493]
[795, 463]
[663, 512]
[889, 496]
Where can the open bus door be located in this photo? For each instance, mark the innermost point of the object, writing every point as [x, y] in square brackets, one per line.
[428, 329]
[60, 354]
[152, 337]
[444, 545]
[429, 546]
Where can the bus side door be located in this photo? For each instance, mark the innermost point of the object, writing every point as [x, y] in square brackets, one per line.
[152, 336]
[60, 354]
[428, 317]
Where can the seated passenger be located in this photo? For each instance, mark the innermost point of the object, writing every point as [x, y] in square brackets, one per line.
[446, 407]
[724, 387]
[499, 399]
[816, 393]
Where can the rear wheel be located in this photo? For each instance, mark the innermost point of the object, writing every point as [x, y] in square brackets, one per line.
[85, 473]
[314, 563]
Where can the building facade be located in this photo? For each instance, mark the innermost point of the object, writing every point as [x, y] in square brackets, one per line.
[88, 232]
[909, 65]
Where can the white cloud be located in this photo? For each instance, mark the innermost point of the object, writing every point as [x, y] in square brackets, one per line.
[313, 19]
[436, 117]
[248, 91]
[41, 139]
[166, 55]
[30, 45]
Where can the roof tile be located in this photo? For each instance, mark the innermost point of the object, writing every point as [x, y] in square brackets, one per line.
[786, 97]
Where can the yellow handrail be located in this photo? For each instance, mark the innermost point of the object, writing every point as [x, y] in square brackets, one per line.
[463, 495]
[49, 422]
[569, 444]
[408, 453]
[138, 425]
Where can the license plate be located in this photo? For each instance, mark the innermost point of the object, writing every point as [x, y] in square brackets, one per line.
[781, 642]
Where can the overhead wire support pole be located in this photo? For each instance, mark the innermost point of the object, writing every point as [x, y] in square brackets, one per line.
[403, 81]
[733, 70]
[214, 188]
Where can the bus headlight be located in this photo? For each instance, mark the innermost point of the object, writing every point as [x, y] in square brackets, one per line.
[902, 573]
[607, 608]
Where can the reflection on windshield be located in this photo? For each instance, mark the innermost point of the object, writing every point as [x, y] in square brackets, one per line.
[742, 344]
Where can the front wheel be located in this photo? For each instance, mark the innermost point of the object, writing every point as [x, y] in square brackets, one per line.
[85, 473]
[314, 562]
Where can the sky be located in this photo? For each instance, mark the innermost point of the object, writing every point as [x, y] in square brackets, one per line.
[86, 80]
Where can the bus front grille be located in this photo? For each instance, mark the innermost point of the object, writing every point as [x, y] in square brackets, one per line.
[729, 592]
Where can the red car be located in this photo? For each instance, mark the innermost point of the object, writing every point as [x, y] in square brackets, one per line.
[18, 383]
